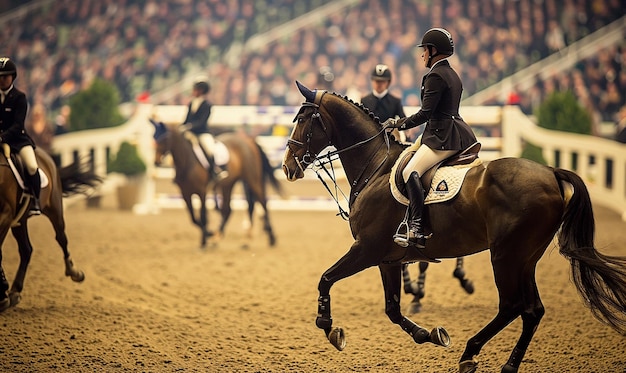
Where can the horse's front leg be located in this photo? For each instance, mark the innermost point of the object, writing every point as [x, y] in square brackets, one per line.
[353, 262]
[5, 302]
[391, 277]
[26, 250]
[201, 220]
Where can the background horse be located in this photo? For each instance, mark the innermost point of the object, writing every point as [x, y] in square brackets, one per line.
[247, 163]
[512, 207]
[66, 181]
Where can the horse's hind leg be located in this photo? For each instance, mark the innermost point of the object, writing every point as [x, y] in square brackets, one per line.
[459, 273]
[518, 295]
[258, 194]
[416, 288]
[55, 215]
[251, 202]
[391, 276]
[225, 208]
[267, 225]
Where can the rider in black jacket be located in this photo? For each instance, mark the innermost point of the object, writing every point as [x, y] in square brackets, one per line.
[445, 132]
[13, 108]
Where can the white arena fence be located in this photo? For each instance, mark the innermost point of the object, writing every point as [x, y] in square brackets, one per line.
[501, 130]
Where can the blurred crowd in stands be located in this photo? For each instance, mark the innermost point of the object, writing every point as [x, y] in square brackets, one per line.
[148, 45]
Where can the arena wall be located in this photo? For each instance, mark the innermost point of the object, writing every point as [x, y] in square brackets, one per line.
[501, 130]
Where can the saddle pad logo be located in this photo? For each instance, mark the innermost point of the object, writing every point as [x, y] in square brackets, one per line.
[441, 188]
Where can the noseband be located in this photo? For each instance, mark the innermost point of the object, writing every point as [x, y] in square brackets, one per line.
[308, 158]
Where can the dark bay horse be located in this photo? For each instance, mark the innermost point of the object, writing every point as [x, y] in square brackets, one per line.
[66, 181]
[247, 163]
[512, 207]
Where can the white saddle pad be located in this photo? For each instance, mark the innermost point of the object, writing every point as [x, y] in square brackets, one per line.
[446, 183]
[216, 148]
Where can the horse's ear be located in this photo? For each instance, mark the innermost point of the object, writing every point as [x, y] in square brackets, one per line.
[307, 93]
[159, 128]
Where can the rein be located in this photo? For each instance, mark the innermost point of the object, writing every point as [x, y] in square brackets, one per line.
[319, 162]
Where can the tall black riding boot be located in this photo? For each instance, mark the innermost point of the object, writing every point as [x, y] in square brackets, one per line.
[35, 185]
[415, 233]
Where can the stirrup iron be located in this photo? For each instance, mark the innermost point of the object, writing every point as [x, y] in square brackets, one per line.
[402, 239]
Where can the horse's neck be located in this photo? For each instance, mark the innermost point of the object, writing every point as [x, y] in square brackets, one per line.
[369, 150]
[182, 153]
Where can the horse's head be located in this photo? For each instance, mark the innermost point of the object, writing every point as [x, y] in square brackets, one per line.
[327, 119]
[309, 135]
[161, 140]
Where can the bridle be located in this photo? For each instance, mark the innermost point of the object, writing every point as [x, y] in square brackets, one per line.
[308, 158]
[312, 158]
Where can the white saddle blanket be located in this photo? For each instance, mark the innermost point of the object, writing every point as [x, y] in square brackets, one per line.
[42, 175]
[216, 148]
[446, 183]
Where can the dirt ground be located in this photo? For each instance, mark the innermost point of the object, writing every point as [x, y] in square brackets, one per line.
[153, 301]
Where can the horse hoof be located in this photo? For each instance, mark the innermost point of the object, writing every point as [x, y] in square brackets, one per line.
[77, 276]
[414, 307]
[468, 366]
[440, 337]
[468, 286]
[15, 298]
[337, 338]
[5, 304]
[509, 369]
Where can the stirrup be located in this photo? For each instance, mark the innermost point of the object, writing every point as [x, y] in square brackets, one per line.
[402, 233]
[34, 211]
[221, 175]
[34, 208]
[403, 240]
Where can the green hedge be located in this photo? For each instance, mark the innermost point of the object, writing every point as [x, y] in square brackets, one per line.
[127, 161]
[560, 112]
[95, 107]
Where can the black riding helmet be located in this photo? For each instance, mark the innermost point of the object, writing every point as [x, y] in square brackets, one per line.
[440, 39]
[202, 86]
[381, 72]
[8, 67]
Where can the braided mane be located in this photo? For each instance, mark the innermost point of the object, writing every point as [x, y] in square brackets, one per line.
[367, 111]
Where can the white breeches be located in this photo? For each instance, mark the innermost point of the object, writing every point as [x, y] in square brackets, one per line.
[423, 159]
[27, 153]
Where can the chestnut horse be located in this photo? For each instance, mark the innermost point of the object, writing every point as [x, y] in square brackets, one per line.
[512, 207]
[14, 204]
[247, 163]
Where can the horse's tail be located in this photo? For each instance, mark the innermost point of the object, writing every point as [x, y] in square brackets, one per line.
[75, 179]
[268, 171]
[600, 279]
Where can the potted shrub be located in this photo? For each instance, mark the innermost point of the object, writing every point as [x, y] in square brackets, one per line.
[129, 163]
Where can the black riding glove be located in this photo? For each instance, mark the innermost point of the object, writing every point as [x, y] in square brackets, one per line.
[394, 123]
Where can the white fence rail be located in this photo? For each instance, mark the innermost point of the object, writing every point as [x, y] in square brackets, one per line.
[501, 130]
[600, 162]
